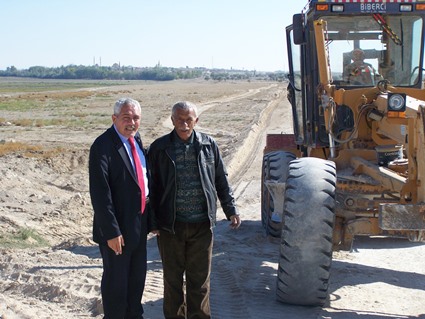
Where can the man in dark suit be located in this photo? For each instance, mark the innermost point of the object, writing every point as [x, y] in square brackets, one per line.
[120, 225]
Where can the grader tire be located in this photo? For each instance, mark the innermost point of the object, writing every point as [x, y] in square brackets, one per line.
[306, 239]
[274, 168]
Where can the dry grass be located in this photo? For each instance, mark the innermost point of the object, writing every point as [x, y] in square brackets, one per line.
[47, 122]
[27, 150]
[23, 238]
[12, 84]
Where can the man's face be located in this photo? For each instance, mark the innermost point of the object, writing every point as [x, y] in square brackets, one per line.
[128, 121]
[358, 56]
[184, 122]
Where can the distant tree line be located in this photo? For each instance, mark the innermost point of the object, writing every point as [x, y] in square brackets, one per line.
[225, 75]
[117, 72]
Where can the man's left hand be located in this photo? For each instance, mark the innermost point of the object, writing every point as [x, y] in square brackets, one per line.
[235, 221]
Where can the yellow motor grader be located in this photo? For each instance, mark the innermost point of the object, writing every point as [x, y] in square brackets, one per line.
[355, 163]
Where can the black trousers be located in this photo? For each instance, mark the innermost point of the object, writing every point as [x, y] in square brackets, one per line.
[123, 281]
[187, 255]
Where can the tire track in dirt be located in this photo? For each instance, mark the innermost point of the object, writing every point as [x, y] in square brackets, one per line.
[227, 297]
[40, 279]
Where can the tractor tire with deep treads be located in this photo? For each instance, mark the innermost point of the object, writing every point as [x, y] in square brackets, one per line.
[274, 168]
[306, 239]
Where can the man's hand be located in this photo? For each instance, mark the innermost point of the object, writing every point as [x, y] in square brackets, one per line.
[235, 221]
[116, 244]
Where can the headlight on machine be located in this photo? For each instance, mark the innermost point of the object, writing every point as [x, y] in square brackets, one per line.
[396, 105]
[396, 102]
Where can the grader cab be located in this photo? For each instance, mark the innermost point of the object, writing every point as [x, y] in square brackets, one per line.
[355, 162]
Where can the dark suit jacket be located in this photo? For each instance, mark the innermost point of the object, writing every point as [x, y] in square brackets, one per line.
[114, 192]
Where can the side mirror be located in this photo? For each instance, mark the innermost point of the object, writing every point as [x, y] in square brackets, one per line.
[298, 28]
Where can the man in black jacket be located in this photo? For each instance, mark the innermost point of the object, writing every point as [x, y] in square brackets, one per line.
[118, 196]
[187, 176]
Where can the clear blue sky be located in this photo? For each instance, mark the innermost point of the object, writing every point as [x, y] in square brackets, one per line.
[239, 34]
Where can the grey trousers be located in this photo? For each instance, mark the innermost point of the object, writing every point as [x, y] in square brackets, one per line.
[187, 255]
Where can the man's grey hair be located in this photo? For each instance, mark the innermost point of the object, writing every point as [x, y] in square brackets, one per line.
[125, 101]
[184, 105]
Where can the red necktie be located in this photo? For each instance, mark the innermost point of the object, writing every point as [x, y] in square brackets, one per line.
[139, 172]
